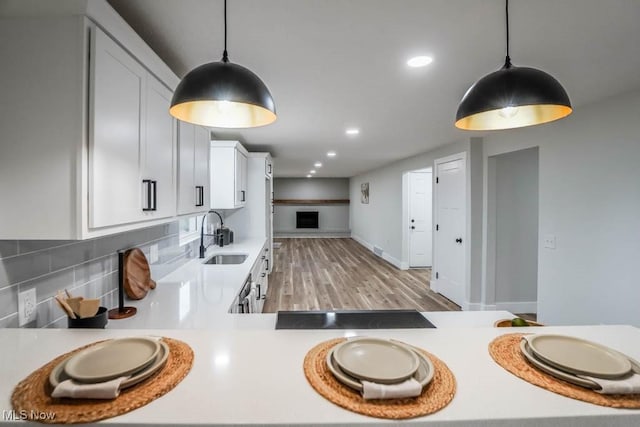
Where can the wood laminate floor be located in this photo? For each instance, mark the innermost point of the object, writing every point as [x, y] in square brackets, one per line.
[340, 274]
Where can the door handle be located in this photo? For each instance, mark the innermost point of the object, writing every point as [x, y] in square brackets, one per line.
[459, 240]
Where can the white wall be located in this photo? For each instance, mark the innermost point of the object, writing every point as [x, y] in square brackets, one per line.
[333, 218]
[380, 223]
[516, 209]
[589, 193]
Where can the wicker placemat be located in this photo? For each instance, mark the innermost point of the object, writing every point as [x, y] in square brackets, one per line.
[505, 350]
[435, 396]
[32, 395]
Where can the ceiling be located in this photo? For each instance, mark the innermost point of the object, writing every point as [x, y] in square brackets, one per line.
[333, 64]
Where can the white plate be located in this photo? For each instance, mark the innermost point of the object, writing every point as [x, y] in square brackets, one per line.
[376, 360]
[112, 359]
[582, 382]
[424, 373]
[58, 374]
[578, 356]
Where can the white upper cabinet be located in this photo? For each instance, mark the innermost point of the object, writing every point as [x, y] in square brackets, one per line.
[88, 147]
[228, 168]
[131, 140]
[193, 169]
[241, 178]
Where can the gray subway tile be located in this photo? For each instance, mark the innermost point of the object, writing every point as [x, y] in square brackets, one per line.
[26, 246]
[112, 244]
[45, 313]
[67, 256]
[59, 323]
[91, 270]
[23, 267]
[9, 322]
[8, 248]
[47, 286]
[8, 301]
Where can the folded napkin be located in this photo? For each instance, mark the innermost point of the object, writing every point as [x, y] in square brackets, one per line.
[626, 385]
[105, 390]
[408, 388]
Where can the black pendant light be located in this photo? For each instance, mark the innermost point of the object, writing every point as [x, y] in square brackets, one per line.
[222, 94]
[512, 97]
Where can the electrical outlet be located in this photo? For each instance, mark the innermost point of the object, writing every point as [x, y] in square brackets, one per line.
[153, 254]
[26, 307]
[549, 241]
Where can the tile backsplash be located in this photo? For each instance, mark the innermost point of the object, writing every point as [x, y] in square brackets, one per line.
[86, 268]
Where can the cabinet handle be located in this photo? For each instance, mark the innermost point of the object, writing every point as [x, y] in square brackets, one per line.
[267, 267]
[264, 274]
[199, 195]
[149, 205]
[155, 195]
[258, 297]
[270, 169]
[243, 195]
[264, 256]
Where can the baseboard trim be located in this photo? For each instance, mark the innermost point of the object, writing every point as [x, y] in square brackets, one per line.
[321, 235]
[518, 307]
[385, 256]
[473, 306]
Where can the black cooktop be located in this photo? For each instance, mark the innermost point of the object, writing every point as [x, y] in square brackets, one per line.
[352, 319]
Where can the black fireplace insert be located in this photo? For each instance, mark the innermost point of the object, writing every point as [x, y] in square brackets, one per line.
[307, 219]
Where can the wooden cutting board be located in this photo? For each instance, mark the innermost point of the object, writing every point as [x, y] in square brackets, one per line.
[137, 275]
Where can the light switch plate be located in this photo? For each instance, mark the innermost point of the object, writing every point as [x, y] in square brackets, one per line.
[549, 241]
[153, 254]
[27, 306]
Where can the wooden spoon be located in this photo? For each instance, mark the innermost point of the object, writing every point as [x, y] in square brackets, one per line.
[65, 307]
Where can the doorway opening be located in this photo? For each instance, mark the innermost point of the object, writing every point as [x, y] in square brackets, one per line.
[511, 277]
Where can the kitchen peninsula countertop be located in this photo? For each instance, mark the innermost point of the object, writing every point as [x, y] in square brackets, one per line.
[246, 372]
[255, 376]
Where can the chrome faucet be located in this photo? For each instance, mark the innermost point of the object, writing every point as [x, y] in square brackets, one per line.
[202, 233]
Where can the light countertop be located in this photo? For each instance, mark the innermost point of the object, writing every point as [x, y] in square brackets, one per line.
[255, 376]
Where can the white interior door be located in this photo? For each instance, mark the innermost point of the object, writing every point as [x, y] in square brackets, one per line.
[420, 226]
[450, 239]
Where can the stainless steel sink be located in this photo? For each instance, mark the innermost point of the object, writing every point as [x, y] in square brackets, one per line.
[227, 259]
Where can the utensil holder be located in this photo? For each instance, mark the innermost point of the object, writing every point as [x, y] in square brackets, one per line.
[99, 321]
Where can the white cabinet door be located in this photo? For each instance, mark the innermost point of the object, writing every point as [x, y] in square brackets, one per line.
[201, 167]
[159, 151]
[241, 179]
[118, 84]
[193, 168]
[187, 193]
[228, 172]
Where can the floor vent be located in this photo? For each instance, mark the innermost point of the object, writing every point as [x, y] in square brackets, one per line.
[377, 250]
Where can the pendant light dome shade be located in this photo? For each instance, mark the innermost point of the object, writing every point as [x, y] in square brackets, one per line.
[512, 97]
[224, 95]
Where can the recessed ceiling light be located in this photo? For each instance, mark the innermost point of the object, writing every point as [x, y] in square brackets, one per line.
[331, 154]
[312, 171]
[419, 61]
[352, 131]
[308, 176]
[317, 164]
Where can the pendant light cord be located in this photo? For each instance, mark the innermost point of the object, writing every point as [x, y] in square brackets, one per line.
[507, 60]
[225, 56]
